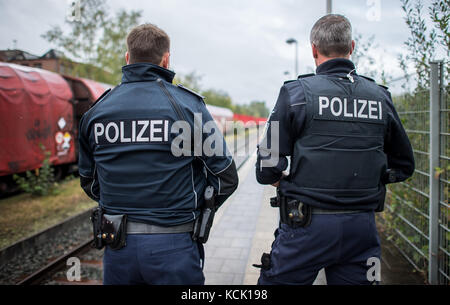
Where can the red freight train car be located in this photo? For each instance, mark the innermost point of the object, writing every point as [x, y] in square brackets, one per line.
[35, 110]
[39, 108]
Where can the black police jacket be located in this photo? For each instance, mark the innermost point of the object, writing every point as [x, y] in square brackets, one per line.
[344, 138]
[127, 161]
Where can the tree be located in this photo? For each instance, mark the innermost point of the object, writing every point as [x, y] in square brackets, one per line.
[361, 56]
[424, 43]
[191, 81]
[259, 109]
[221, 98]
[255, 108]
[364, 62]
[97, 40]
[217, 98]
[111, 49]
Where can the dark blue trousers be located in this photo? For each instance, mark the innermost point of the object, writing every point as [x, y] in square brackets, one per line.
[155, 259]
[340, 243]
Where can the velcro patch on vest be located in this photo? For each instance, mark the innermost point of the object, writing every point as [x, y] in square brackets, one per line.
[348, 108]
[139, 131]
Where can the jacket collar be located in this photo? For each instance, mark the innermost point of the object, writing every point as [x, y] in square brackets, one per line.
[336, 66]
[140, 72]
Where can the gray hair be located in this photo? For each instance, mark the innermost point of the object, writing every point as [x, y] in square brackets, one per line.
[332, 35]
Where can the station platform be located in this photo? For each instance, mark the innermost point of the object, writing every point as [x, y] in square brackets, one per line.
[243, 229]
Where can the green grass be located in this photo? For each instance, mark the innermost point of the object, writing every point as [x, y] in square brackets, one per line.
[24, 215]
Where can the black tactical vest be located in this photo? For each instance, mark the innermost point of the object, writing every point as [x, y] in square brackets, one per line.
[339, 158]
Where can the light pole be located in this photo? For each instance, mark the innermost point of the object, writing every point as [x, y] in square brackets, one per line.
[294, 41]
[329, 6]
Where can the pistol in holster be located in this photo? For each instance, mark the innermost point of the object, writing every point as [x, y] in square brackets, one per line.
[109, 230]
[293, 212]
[203, 224]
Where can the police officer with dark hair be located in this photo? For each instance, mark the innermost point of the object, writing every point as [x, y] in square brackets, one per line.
[149, 188]
[346, 142]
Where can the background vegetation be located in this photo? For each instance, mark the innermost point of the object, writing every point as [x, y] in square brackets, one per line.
[405, 220]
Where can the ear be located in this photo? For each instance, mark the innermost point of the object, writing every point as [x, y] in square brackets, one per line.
[165, 62]
[127, 57]
[315, 51]
[353, 47]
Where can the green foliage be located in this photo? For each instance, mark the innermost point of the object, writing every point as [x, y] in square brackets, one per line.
[111, 49]
[440, 15]
[191, 81]
[39, 182]
[255, 108]
[218, 98]
[407, 203]
[364, 62]
[423, 43]
[98, 40]
[361, 56]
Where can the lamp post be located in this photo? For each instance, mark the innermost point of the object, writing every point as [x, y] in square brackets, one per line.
[294, 41]
[329, 6]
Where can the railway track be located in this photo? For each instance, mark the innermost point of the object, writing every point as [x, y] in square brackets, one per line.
[53, 272]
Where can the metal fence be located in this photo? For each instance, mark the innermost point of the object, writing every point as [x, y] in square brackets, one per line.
[417, 210]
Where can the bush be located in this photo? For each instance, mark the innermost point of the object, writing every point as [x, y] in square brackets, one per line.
[40, 181]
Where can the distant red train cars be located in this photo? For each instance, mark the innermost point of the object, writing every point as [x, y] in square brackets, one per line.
[35, 110]
[39, 108]
[248, 118]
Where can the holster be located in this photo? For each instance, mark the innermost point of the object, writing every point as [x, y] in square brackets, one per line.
[294, 213]
[109, 230]
[265, 262]
[96, 219]
[203, 224]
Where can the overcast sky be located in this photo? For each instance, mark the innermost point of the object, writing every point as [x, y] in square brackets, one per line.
[236, 45]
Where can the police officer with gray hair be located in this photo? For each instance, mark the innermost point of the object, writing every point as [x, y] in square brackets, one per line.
[346, 142]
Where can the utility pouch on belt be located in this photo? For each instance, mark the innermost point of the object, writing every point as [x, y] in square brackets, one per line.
[204, 223]
[293, 212]
[109, 230]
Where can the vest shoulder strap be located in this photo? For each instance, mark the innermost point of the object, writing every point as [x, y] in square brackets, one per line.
[372, 80]
[306, 75]
[368, 78]
[191, 91]
[289, 81]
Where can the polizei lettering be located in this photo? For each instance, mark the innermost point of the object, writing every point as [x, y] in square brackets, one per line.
[348, 109]
[132, 131]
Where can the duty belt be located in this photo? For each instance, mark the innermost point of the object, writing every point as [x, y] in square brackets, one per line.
[325, 211]
[143, 228]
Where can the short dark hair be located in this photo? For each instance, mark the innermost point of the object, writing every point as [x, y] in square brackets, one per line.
[332, 35]
[147, 43]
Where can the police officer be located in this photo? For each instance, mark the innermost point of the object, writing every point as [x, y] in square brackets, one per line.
[130, 164]
[346, 142]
